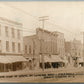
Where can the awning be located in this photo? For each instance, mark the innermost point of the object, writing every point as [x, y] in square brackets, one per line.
[56, 58]
[30, 58]
[52, 58]
[11, 59]
[81, 60]
[47, 59]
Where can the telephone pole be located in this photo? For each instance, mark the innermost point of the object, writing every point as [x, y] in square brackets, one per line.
[43, 19]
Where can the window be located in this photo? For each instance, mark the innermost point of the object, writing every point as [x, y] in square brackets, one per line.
[13, 46]
[6, 30]
[19, 47]
[0, 29]
[29, 49]
[7, 46]
[18, 34]
[13, 33]
[0, 46]
[25, 48]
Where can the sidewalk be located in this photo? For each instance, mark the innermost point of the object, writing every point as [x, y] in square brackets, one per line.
[24, 75]
[37, 71]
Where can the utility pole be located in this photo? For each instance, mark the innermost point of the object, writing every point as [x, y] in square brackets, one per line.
[43, 19]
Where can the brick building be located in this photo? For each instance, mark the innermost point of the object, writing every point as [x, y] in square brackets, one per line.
[31, 50]
[60, 43]
[46, 42]
[49, 41]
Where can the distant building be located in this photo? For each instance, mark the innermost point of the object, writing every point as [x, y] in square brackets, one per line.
[11, 45]
[60, 43]
[76, 48]
[76, 51]
[73, 50]
[68, 52]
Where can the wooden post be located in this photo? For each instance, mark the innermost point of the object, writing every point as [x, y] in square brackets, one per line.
[43, 19]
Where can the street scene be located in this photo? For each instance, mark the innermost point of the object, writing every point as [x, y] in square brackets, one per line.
[42, 41]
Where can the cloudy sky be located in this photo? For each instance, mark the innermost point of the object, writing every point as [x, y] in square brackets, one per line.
[66, 17]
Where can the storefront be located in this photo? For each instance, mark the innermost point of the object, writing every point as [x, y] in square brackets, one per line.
[32, 62]
[52, 61]
[81, 62]
[12, 63]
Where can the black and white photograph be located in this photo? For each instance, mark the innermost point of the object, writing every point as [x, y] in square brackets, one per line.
[42, 41]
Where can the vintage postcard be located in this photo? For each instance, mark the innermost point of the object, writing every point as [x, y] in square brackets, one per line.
[42, 41]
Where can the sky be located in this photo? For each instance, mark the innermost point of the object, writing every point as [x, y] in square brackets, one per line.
[65, 17]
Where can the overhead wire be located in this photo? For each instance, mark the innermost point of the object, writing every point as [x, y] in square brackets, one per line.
[35, 17]
[27, 13]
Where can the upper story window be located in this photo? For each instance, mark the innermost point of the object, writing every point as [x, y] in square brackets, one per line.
[6, 30]
[18, 34]
[0, 29]
[19, 47]
[25, 48]
[0, 46]
[13, 32]
[7, 45]
[13, 46]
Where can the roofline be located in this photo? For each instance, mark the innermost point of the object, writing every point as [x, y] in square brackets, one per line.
[5, 19]
[31, 36]
[46, 31]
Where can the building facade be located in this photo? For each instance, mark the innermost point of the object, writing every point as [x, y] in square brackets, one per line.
[60, 43]
[11, 45]
[68, 52]
[11, 38]
[76, 48]
[44, 42]
[68, 48]
[48, 41]
[73, 51]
